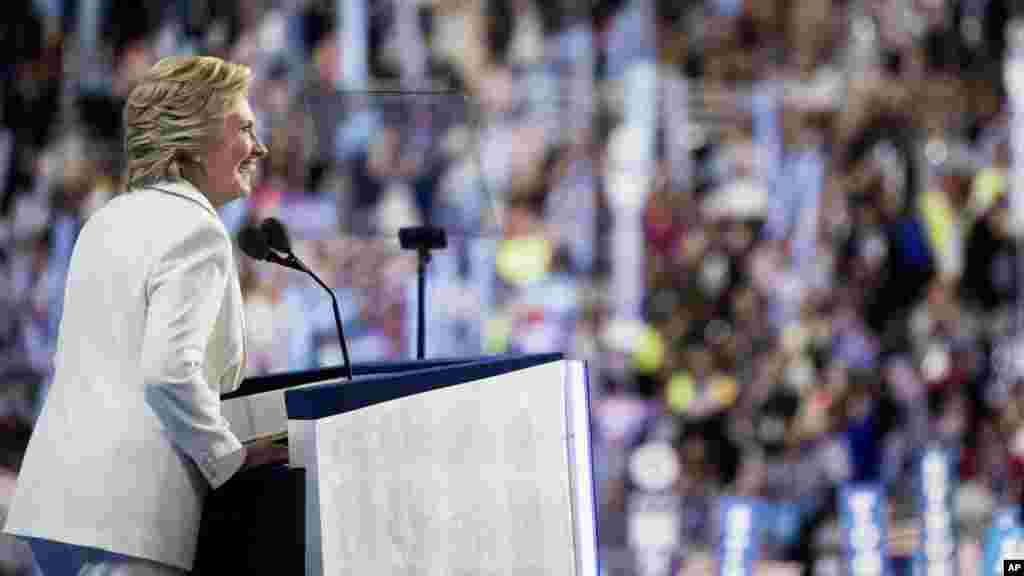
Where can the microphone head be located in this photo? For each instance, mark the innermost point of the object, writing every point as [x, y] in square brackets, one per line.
[253, 241]
[276, 235]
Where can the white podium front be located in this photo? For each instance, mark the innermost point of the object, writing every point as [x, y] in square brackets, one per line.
[474, 468]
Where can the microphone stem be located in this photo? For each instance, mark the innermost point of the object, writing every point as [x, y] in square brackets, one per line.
[337, 314]
[421, 289]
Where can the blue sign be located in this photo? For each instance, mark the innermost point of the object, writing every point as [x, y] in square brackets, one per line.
[1004, 541]
[863, 524]
[780, 522]
[739, 538]
[937, 478]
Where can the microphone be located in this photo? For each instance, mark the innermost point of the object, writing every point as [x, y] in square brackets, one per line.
[277, 236]
[253, 242]
[264, 243]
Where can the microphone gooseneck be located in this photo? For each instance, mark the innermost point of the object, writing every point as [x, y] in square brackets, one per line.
[271, 237]
[337, 313]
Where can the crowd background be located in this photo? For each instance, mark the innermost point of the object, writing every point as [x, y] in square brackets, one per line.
[781, 232]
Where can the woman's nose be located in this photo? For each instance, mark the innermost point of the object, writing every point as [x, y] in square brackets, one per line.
[259, 150]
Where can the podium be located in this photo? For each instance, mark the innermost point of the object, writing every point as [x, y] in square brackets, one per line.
[435, 467]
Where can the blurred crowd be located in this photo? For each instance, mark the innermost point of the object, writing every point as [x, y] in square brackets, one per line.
[827, 251]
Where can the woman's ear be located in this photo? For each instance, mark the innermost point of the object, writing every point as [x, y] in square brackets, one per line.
[189, 166]
[188, 158]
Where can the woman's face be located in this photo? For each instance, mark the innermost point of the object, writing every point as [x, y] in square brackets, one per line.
[230, 161]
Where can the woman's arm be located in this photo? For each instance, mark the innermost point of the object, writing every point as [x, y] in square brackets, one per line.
[185, 291]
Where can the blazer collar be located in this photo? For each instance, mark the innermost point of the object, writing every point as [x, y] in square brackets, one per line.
[186, 190]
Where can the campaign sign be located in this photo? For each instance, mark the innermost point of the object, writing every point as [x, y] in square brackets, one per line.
[780, 521]
[864, 534]
[937, 479]
[1004, 541]
[739, 537]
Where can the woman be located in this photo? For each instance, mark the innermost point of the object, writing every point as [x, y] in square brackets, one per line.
[131, 436]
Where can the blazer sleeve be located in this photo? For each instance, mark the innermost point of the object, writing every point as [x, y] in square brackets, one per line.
[185, 290]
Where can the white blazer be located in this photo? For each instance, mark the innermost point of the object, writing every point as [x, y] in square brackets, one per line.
[131, 437]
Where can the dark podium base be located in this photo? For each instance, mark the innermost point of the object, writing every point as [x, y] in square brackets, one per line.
[254, 524]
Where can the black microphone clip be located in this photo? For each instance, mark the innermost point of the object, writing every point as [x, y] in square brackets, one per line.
[288, 260]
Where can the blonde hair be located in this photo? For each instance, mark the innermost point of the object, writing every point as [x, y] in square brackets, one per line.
[172, 111]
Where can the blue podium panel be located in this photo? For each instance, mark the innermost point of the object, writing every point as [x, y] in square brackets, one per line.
[271, 382]
[390, 383]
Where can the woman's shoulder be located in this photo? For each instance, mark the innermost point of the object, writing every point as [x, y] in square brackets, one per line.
[173, 200]
[152, 214]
